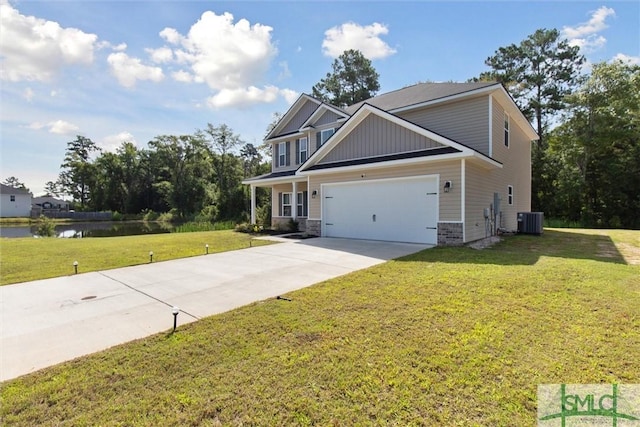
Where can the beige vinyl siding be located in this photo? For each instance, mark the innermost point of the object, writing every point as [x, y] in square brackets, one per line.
[448, 171]
[292, 157]
[326, 118]
[376, 136]
[284, 188]
[465, 121]
[299, 118]
[516, 171]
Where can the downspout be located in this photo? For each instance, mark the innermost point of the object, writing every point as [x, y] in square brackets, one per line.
[463, 186]
[491, 126]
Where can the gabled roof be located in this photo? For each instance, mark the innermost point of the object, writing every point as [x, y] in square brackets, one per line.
[364, 111]
[295, 107]
[5, 189]
[418, 94]
[324, 107]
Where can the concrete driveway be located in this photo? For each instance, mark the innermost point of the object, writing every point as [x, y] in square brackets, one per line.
[46, 322]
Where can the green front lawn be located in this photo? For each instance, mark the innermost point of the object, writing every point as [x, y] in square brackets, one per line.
[448, 336]
[26, 259]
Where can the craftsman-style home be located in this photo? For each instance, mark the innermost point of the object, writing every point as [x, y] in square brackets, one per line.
[434, 163]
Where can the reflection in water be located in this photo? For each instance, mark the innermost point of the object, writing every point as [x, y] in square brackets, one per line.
[92, 229]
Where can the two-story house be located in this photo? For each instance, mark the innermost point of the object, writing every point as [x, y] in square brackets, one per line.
[435, 163]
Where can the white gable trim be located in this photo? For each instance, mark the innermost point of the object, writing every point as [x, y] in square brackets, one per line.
[363, 112]
[320, 111]
[507, 102]
[291, 112]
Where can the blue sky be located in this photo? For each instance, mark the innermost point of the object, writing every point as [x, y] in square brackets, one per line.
[118, 71]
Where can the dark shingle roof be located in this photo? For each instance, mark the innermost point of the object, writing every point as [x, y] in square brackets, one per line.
[272, 175]
[416, 94]
[5, 189]
[387, 158]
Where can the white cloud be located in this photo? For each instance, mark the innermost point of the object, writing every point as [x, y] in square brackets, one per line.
[289, 95]
[586, 35]
[129, 70]
[244, 97]
[113, 142]
[61, 127]
[286, 72]
[627, 59]
[160, 55]
[223, 54]
[353, 36]
[34, 49]
[171, 35]
[231, 57]
[182, 76]
[28, 94]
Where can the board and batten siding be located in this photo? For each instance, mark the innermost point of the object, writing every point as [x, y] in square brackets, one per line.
[450, 208]
[465, 121]
[326, 118]
[299, 118]
[376, 136]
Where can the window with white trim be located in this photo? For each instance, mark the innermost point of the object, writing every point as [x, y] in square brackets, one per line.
[506, 130]
[13, 198]
[286, 204]
[510, 194]
[302, 150]
[325, 134]
[301, 204]
[282, 154]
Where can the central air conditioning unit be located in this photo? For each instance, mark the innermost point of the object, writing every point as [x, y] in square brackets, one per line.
[530, 222]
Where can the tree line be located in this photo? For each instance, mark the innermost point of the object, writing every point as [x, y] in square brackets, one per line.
[585, 166]
[192, 176]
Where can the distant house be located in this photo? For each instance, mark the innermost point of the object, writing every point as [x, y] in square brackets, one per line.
[50, 203]
[14, 202]
[435, 163]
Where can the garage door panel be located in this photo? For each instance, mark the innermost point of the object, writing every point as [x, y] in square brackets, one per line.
[392, 210]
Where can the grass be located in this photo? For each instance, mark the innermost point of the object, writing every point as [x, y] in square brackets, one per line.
[26, 259]
[448, 336]
[192, 226]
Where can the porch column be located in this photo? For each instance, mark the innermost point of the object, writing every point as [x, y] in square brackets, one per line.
[294, 202]
[253, 204]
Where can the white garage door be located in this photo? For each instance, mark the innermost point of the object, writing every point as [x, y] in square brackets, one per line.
[399, 210]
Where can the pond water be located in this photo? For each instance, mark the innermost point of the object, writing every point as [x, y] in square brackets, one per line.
[91, 229]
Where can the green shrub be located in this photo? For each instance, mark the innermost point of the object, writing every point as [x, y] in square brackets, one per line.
[149, 215]
[166, 217]
[116, 216]
[45, 227]
[245, 227]
[263, 215]
[293, 226]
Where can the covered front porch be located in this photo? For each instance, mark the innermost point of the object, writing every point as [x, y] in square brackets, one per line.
[289, 200]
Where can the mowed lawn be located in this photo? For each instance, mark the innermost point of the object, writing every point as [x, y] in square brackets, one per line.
[28, 259]
[448, 336]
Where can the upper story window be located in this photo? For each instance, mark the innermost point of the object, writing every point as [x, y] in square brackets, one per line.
[506, 130]
[282, 154]
[13, 198]
[510, 194]
[302, 150]
[322, 136]
[325, 134]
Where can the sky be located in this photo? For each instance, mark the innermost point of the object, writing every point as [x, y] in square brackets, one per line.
[116, 71]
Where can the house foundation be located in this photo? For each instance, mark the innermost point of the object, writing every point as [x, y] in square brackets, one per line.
[450, 234]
